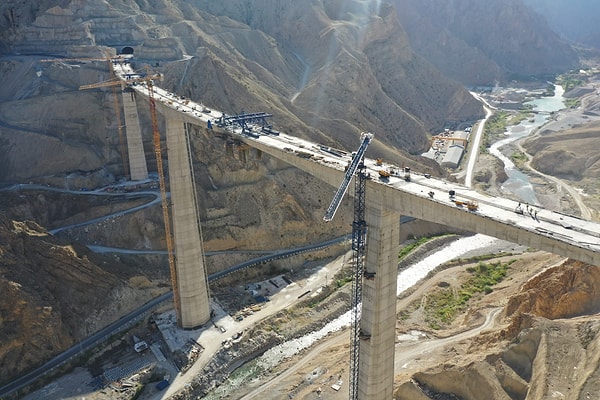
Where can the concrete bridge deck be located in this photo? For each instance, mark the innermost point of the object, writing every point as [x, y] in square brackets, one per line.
[549, 231]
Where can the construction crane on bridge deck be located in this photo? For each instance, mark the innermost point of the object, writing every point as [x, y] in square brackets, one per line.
[359, 241]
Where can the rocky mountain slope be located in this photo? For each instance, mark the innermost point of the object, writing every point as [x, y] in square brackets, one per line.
[483, 43]
[575, 20]
[332, 60]
[55, 293]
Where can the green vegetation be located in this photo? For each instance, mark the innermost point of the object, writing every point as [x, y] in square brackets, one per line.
[342, 281]
[569, 81]
[519, 158]
[474, 259]
[572, 103]
[443, 305]
[410, 247]
[497, 123]
[495, 127]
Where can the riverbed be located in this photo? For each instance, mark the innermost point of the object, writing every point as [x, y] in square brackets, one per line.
[518, 182]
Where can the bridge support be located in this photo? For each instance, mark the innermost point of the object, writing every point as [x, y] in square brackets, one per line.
[138, 169]
[378, 319]
[190, 266]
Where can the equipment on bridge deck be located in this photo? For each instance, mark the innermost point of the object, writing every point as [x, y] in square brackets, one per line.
[244, 119]
[359, 240]
[470, 204]
[407, 174]
[383, 174]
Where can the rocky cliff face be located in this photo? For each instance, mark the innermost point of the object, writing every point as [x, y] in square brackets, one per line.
[327, 70]
[481, 43]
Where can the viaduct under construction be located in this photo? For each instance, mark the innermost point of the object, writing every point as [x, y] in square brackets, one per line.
[388, 196]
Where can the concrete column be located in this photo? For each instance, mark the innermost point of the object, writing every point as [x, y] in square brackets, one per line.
[138, 169]
[191, 272]
[378, 318]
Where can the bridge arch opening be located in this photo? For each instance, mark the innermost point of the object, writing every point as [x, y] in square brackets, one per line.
[127, 50]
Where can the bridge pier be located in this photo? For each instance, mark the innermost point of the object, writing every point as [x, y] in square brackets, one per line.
[192, 283]
[138, 169]
[378, 318]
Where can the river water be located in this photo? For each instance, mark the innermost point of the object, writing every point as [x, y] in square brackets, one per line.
[518, 182]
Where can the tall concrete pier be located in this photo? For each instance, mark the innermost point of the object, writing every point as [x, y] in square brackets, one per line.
[378, 318]
[138, 169]
[192, 283]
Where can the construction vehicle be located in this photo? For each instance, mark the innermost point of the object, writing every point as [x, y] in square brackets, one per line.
[471, 205]
[383, 174]
[359, 245]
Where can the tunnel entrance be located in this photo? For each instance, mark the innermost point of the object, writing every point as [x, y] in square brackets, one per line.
[127, 50]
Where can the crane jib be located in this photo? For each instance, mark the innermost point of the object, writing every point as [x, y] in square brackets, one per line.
[356, 160]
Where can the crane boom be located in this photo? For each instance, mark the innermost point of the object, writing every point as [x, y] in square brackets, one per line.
[356, 160]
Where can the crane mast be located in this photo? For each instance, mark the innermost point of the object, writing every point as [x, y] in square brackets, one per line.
[148, 80]
[163, 195]
[359, 241]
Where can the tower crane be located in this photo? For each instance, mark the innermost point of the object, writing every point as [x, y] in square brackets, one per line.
[148, 80]
[359, 241]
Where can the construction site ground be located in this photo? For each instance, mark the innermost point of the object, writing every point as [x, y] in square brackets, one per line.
[312, 374]
[158, 362]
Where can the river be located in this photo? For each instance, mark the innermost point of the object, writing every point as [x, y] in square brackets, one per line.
[518, 182]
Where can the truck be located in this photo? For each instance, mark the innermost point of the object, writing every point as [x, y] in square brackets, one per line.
[470, 204]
